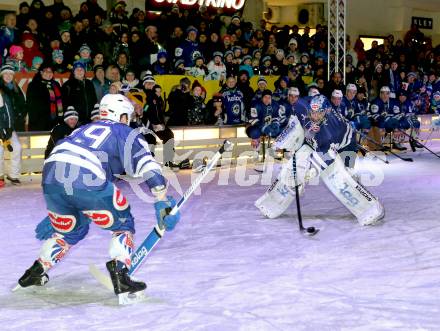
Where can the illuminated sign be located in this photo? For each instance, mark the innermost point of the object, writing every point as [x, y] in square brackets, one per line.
[230, 4]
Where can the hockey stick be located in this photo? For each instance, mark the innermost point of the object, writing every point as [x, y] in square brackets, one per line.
[385, 149]
[158, 231]
[310, 231]
[424, 146]
[364, 151]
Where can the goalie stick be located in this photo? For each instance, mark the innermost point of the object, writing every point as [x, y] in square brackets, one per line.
[158, 231]
[310, 231]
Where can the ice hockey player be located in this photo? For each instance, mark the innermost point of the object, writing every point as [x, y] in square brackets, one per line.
[78, 189]
[318, 136]
[382, 113]
[338, 104]
[290, 105]
[264, 118]
[407, 118]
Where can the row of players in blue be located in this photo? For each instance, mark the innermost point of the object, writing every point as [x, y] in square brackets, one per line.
[268, 117]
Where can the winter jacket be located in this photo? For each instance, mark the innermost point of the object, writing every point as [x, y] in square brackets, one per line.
[81, 95]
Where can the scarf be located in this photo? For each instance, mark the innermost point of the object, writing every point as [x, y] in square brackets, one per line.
[56, 106]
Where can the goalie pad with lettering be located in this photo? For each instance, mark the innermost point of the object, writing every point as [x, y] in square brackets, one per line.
[356, 198]
[292, 137]
[281, 193]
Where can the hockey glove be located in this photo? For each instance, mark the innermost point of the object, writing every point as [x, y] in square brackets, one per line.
[44, 229]
[163, 208]
[271, 130]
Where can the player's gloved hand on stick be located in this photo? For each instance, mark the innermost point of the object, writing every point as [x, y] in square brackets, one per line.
[271, 130]
[162, 216]
[44, 229]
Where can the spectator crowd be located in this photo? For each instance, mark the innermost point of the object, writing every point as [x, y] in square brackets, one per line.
[126, 51]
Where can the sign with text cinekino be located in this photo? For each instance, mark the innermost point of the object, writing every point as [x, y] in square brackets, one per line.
[227, 4]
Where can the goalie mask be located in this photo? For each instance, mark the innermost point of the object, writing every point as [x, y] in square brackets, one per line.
[319, 107]
[113, 106]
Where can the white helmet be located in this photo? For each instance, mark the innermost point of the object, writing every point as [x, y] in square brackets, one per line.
[113, 106]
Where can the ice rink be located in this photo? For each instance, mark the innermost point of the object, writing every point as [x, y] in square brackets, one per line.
[227, 268]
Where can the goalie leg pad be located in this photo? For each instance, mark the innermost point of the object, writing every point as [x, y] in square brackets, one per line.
[121, 247]
[361, 203]
[281, 193]
[275, 200]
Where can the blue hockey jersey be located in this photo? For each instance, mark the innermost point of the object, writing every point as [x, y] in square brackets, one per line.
[378, 108]
[264, 115]
[334, 131]
[96, 153]
[235, 112]
[188, 51]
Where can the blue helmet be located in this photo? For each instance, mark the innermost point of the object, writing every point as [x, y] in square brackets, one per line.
[319, 103]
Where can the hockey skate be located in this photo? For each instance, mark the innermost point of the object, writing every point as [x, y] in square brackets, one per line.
[128, 290]
[34, 276]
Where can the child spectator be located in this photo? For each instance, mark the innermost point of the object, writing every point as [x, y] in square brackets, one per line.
[85, 58]
[15, 59]
[215, 110]
[58, 61]
[197, 113]
[266, 67]
[161, 66]
[216, 68]
[179, 67]
[199, 69]
[246, 65]
[36, 63]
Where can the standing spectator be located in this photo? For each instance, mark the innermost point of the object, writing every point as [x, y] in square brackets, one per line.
[9, 138]
[8, 34]
[180, 102]
[15, 96]
[394, 77]
[79, 92]
[62, 130]
[24, 15]
[150, 47]
[66, 47]
[334, 84]
[119, 18]
[233, 103]
[244, 86]
[189, 49]
[31, 48]
[106, 39]
[44, 100]
[156, 117]
[100, 82]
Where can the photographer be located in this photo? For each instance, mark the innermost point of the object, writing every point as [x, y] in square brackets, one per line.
[181, 102]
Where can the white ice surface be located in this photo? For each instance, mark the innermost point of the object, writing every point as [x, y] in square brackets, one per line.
[227, 268]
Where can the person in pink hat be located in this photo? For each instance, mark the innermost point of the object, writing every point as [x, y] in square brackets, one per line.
[15, 59]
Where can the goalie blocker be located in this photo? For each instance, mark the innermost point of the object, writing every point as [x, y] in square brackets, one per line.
[356, 198]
